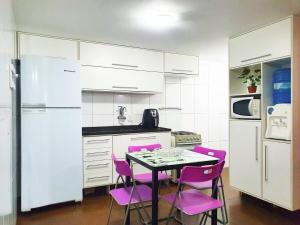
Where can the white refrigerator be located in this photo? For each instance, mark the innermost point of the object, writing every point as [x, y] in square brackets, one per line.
[51, 155]
[6, 173]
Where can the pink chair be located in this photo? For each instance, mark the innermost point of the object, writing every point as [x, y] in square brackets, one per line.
[145, 178]
[220, 154]
[134, 195]
[191, 201]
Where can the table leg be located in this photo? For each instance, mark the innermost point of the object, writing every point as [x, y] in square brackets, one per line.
[214, 215]
[127, 184]
[154, 197]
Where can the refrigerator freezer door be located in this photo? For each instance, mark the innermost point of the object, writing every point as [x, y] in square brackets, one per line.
[5, 162]
[5, 96]
[50, 82]
[51, 161]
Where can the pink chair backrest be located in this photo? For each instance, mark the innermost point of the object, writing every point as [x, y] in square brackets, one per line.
[220, 154]
[141, 147]
[201, 173]
[122, 166]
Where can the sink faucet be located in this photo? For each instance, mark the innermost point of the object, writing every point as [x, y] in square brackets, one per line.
[122, 110]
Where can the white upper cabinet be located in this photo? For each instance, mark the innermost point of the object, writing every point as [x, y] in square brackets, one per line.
[46, 46]
[270, 42]
[176, 64]
[120, 57]
[119, 80]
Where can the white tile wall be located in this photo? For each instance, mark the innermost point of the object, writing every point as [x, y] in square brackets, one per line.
[203, 101]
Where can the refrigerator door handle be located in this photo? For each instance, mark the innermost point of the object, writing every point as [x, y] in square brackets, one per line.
[38, 105]
[32, 110]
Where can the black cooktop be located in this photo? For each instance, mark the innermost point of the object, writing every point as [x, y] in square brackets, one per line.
[86, 131]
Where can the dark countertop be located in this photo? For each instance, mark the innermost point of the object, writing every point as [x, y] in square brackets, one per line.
[88, 131]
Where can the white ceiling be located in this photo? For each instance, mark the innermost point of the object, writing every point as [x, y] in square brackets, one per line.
[206, 24]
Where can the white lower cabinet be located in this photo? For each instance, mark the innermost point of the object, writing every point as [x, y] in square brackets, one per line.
[245, 156]
[262, 171]
[277, 175]
[97, 163]
[97, 150]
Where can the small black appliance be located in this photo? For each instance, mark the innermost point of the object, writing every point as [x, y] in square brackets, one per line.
[150, 118]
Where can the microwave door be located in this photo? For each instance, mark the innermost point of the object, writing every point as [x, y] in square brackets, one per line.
[240, 108]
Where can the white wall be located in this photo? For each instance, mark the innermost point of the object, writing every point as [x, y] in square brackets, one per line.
[7, 51]
[204, 103]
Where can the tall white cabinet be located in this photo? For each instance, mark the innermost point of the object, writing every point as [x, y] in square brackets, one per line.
[245, 157]
[262, 167]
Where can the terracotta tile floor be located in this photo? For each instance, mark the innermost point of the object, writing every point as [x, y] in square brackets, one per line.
[243, 210]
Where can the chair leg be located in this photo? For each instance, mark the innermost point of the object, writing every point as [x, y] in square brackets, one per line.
[205, 219]
[140, 214]
[202, 218]
[223, 216]
[126, 214]
[170, 214]
[224, 201]
[110, 209]
[182, 217]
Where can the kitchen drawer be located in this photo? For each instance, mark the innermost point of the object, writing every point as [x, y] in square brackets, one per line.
[96, 180]
[94, 154]
[97, 142]
[122, 142]
[120, 57]
[98, 167]
[97, 173]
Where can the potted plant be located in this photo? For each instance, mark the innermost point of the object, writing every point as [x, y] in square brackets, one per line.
[251, 77]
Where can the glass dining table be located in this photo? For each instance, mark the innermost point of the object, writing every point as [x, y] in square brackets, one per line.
[168, 159]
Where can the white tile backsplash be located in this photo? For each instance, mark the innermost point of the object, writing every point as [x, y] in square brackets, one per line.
[173, 120]
[188, 122]
[122, 100]
[139, 103]
[203, 99]
[87, 120]
[87, 103]
[187, 98]
[102, 120]
[173, 95]
[202, 126]
[103, 103]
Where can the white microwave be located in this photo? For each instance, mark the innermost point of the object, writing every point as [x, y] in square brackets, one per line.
[245, 107]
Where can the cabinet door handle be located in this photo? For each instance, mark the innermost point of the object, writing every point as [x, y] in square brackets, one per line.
[97, 165]
[98, 178]
[182, 70]
[254, 58]
[125, 65]
[256, 143]
[99, 141]
[96, 153]
[126, 87]
[166, 108]
[143, 138]
[266, 164]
